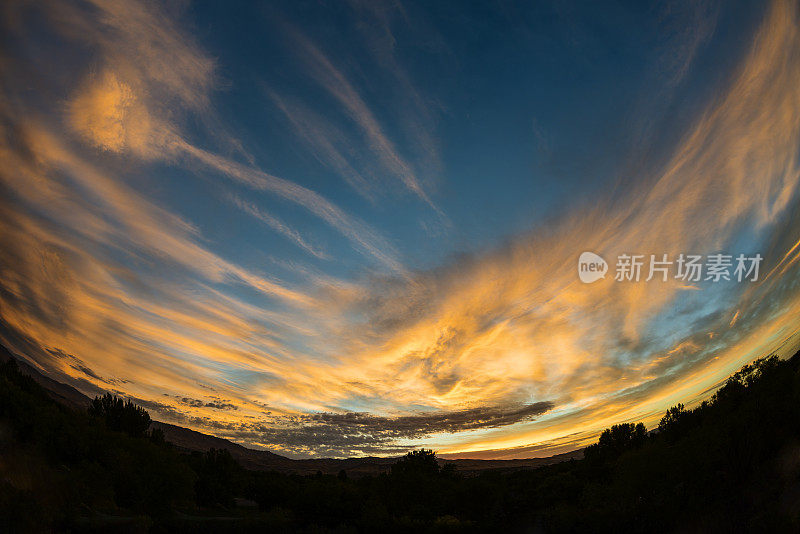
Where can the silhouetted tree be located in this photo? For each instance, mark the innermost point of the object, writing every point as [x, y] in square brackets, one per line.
[218, 478]
[719, 467]
[120, 415]
[672, 418]
[748, 375]
[421, 462]
[157, 437]
[617, 439]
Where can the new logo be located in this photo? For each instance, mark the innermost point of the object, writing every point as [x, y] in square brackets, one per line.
[591, 267]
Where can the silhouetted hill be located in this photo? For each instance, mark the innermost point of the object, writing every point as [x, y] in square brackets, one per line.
[192, 440]
[470, 467]
[62, 393]
[731, 464]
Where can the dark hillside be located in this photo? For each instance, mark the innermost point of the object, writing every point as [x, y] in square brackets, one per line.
[731, 464]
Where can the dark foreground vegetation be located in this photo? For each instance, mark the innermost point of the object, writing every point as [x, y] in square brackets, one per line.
[730, 465]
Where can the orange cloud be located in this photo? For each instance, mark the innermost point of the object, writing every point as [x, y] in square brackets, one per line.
[509, 326]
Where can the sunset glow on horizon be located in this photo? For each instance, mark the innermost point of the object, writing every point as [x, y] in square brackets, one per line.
[353, 228]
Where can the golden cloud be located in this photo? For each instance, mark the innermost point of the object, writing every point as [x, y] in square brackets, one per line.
[110, 115]
[511, 326]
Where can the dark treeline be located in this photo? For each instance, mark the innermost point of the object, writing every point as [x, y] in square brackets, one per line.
[731, 464]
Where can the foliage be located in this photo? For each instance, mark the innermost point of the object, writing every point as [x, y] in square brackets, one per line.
[120, 415]
[417, 463]
[616, 440]
[218, 478]
[59, 462]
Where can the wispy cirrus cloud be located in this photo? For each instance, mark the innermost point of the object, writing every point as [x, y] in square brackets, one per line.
[365, 239]
[111, 115]
[277, 225]
[515, 323]
[329, 144]
[502, 348]
[114, 255]
[342, 90]
[149, 69]
[363, 160]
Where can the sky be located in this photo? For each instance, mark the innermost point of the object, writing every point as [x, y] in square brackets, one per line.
[353, 228]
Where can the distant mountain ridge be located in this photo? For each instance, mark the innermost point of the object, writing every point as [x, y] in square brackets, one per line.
[63, 393]
[263, 460]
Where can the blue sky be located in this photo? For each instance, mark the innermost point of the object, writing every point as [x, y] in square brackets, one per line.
[355, 224]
